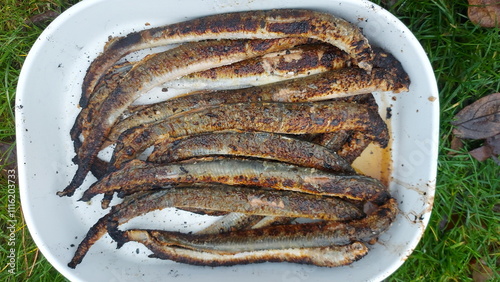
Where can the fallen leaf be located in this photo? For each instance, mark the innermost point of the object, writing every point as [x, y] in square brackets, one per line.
[7, 158]
[456, 145]
[482, 153]
[494, 143]
[480, 120]
[496, 208]
[481, 272]
[42, 18]
[448, 223]
[389, 3]
[485, 13]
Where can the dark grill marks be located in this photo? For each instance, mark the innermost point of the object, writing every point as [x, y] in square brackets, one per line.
[250, 144]
[137, 175]
[290, 28]
[318, 234]
[289, 118]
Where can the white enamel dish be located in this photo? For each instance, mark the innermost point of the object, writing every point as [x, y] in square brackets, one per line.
[46, 106]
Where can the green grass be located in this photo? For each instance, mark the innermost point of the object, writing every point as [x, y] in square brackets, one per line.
[463, 228]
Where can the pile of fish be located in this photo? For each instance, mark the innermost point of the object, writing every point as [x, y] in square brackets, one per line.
[282, 108]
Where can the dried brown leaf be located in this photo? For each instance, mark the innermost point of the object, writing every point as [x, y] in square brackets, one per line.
[7, 158]
[7, 154]
[482, 153]
[481, 272]
[485, 13]
[480, 120]
[456, 145]
[494, 143]
[448, 223]
[43, 17]
[389, 3]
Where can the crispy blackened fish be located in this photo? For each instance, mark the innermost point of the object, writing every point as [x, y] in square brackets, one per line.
[304, 235]
[250, 144]
[138, 175]
[292, 63]
[315, 87]
[248, 200]
[288, 118]
[331, 256]
[240, 25]
[155, 70]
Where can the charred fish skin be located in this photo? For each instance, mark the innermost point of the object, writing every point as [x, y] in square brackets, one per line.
[248, 200]
[340, 83]
[332, 256]
[332, 141]
[250, 144]
[304, 235]
[343, 82]
[295, 63]
[386, 60]
[314, 87]
[137, 175]
[176, 106]
[168, 65]
[100, 228]
[257, 201]
[84, 118]
[239, 25]
[292, 63]
[156, 69]
[287, 118]
[354, 146]
[350, 144]
[231, 221]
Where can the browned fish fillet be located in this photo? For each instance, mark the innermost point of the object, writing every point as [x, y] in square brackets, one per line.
[231, 221]
[341, 83]
[298, 90]
[144, 202]
[303, 235]
[250, 144]
[333, 141]
[156, 69]
[84, 118]
[331, 256]
[291, 118]
[273, 67]
[250, 24]
[288, 64]
[255, 201]
[138, 175]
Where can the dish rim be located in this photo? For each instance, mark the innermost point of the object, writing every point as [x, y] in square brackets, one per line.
[22, 140]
